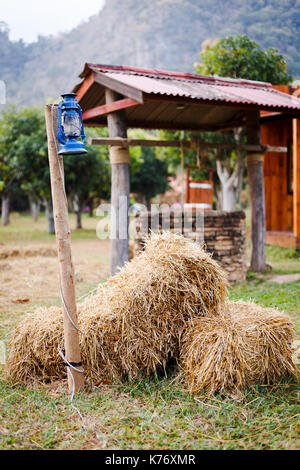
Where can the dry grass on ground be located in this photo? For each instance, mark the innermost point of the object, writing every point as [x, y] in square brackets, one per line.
[33, 279]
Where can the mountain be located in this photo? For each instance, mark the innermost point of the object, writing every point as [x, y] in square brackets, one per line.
[156, 34]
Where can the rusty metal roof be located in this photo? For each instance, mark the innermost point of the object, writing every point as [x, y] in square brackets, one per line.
[155, 85]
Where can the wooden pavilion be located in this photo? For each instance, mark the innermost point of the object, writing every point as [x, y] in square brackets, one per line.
[282, 175]
[123, 97]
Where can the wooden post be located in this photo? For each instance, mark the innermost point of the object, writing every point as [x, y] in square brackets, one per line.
[296, 178]
[66, 270]
[257, 193]
[120, 188]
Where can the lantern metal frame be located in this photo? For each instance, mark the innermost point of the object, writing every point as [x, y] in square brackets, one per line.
[69, 144]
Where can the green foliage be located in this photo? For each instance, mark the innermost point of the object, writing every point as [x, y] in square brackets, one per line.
[239, 57]
[87, 176]
[151, 177]
[30, 151]
[172, 155]
[24, 159]
[20, 139]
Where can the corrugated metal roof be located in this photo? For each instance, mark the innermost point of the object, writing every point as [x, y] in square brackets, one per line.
[214, 89]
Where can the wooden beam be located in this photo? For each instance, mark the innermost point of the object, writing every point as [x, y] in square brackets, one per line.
[275, 149]
[120, 189]
[296, 177]
[186, 144]
[254, 163]
[118, 87]
[172, 126]
[139, 124]
[85, 86]
[109, 108]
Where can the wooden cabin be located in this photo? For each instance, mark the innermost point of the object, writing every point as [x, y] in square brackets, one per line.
[282, 176]
[199, 193]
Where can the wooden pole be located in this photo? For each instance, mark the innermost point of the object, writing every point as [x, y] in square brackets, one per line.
[120, 187]
[257, 193]
[296, 177]
[66, 270]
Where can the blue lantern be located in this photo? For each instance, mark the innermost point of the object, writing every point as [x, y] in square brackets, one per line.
[70, 132]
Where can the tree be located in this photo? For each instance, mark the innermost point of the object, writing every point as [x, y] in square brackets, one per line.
[31, 158]
[238, 57]
[151, 178]
[87, 176]
[16, 133]
[7, 176]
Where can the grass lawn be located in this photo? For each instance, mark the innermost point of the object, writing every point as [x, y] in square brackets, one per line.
[151, 414]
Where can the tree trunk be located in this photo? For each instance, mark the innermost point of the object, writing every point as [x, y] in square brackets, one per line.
[78, 219]
[49, 215]
[34, 209]
[257, 194]
[77, 210]
[229, 193]
[120, 189]
[91, 208]
[230, 180]
[148, 203]
[5, 209]
[228, 197]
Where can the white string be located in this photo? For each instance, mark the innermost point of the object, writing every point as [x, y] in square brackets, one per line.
[66, 308]
[73, 380]
[87, 294]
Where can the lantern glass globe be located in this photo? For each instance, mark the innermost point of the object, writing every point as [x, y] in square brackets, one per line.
[72, 125]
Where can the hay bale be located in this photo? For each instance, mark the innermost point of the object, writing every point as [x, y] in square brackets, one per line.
[134, 324]
[247, 344]
[34, 347]
[34, 250]
[153, 297]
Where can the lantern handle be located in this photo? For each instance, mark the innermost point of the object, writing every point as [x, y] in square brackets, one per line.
[60, 129]
[82, 130]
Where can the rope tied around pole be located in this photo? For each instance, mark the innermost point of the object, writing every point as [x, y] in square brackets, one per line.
[196, 144]
[119, 154]
[253, 158]
[182, 171]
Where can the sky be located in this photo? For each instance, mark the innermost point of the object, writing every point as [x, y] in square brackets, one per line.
[29, 18]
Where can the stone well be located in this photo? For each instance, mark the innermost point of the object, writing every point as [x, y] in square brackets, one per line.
[222, 233]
